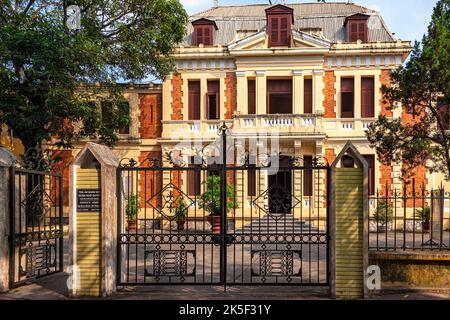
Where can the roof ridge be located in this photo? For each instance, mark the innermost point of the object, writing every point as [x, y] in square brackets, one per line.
[288, 4]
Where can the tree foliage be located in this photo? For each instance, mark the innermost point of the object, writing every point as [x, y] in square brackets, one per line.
[43, 63]
[422, 88]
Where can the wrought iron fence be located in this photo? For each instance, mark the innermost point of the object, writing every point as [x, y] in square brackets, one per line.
[412, 218]
[36, 219]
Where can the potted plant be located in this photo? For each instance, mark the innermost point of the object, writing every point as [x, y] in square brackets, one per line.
[181, 213]
[210, 201]
[383, 215]
[424, 214]
[131, 211]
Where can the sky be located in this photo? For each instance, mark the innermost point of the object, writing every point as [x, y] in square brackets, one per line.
[408, 19]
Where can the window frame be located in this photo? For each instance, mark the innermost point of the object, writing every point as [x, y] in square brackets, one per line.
[347, 114]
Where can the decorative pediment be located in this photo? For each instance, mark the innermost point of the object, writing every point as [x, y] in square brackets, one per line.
[304, 39]
[300, 39]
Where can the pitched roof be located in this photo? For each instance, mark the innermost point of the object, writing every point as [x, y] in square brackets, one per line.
[330, 17]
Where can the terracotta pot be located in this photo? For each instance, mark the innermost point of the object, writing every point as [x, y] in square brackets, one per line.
[426, 227]
[215, 222]
[131, 225]
[180, 225]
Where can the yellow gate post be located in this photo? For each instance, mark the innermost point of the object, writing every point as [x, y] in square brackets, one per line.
[93, 222]
[349, 224]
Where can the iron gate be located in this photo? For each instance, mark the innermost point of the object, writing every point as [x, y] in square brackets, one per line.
[36, 225]
[206, 222]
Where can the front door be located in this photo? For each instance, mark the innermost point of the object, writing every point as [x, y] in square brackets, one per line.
[280, 189]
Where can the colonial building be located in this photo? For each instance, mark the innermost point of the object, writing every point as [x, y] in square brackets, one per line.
[309, 74]
[300, 79]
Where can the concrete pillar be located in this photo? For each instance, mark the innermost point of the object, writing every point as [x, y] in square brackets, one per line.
[318, 95]
[261, 92]
[242, 99]
[349, 226]
[6, 161]
[298, 87]
[93, 222]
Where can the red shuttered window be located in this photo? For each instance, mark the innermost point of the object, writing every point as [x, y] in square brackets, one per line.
[370, 159]
[194, 100]
[308, 176]
[213, 100]
[308, 96]
[251, 95]
[347, 98]
[367, 97]
[194, 177]
[357, 30]
[279, 30]
[203, 34]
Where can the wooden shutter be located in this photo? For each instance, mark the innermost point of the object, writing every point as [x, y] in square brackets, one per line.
[207, 36]
[362, 31]
[370, 159]
[213, 91]
[353, 31]
[274, 30]
[307, 177]
[198, 35]
[308, 96]
[194, 100]
[347, 98]
[284, 36]
[367, 97]
[251, 96]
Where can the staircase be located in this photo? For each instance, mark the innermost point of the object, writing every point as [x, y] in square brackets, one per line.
[285, 225]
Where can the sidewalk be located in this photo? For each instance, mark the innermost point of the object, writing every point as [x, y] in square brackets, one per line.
[54, 288]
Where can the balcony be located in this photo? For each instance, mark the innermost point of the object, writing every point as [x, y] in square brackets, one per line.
[282, 124]
[192, 129]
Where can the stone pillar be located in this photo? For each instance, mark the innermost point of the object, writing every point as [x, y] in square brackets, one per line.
[357, 97]
[241, 91]
[318, 92]
[6, 161]
[298, 87]
[261, 92]
[93, 222]
[349, 226]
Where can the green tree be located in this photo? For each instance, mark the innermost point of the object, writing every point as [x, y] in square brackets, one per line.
[43, 62]
[422, 88]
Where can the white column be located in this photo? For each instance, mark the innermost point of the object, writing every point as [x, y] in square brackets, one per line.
[357, 93]
[242, 92]
[298, 88]
[261, 92]
[203, 91]
[318, 92]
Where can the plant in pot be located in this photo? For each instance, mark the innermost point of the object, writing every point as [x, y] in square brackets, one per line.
[131, 211]
[210, 201]
[181, 212]
[424, 214]
[383, 215]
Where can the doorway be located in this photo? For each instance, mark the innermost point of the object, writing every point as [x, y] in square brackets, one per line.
[280, 189]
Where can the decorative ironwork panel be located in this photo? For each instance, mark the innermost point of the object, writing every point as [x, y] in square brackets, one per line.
[33, 260]
[36, 220]
[172, 263]
[276, 263]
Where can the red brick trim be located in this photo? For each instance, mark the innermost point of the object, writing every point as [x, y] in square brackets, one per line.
[329, 92]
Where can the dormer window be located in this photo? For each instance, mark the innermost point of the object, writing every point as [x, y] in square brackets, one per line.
[357, 28]
[204, 32]
[279, 25]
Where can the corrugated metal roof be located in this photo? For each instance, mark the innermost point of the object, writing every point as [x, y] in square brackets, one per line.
[330, 17]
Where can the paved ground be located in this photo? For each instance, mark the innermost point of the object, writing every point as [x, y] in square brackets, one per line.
[53, 288]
